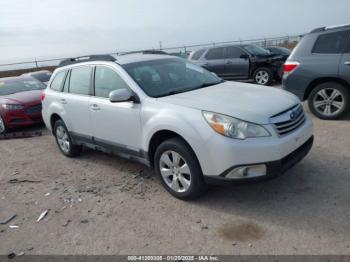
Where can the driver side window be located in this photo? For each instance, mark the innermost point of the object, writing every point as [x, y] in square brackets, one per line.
[106, 81]
[233, 52]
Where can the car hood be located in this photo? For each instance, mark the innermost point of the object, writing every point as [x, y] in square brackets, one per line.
[269, 58]
[247, 102]
[27, 97]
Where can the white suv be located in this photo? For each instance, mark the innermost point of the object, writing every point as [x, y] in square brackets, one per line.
[192, 127]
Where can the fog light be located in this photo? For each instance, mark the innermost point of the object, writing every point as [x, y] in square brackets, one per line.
[247, 172]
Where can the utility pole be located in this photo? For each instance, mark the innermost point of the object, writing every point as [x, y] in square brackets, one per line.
[160, 45]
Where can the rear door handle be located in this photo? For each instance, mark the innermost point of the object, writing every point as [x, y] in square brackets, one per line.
[229, 62]
[347, 63]
[63, 101]
[95, 107]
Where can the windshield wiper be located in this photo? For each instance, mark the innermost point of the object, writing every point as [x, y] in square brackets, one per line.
[209, 84]
[174, 92]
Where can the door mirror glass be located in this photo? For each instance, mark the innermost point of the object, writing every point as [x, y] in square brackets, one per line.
[244, 56]
[121, 95]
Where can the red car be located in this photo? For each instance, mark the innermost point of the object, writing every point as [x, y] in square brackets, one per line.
[20, 102]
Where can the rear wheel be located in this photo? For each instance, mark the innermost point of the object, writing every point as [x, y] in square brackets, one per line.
[2, 126]
[64, 140]
[329, 100]
[179, 170]
[263, 76]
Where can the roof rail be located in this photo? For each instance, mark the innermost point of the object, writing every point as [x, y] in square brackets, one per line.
[148, 52]
[81, 59]
[319, 29]
[324, 28]
[336, 26]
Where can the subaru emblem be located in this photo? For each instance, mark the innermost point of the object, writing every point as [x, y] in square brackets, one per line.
[292, 115]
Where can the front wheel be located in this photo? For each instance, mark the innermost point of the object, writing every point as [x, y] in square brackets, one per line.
[329, 100]
[263, 76]
[179, 170]
[2, 126]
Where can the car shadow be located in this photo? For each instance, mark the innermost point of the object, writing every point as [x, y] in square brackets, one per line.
[25, 132]
[310, 196]
[32, 128]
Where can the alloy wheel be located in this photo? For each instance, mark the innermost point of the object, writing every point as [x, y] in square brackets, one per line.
[175, 171]
[63, 139]
[329, 101]
[262, 77]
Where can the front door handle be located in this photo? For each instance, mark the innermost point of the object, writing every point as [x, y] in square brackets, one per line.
[229, 62]
[95, 107]
[63, 101]
[347, 63]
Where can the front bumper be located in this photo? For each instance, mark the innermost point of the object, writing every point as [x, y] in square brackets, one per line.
[220, 153]
[274, 168]
[20, 118]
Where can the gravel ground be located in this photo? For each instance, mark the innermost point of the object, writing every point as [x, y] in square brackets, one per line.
[101, 204]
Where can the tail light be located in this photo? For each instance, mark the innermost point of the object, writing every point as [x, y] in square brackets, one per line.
[289, 67]
[42, 96]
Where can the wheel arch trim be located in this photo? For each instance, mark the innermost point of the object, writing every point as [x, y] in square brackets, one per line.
[313, 84]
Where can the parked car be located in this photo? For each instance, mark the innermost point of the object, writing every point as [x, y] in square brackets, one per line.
[20, 103]
[43, 75]
[279, 51]
[318, 70]
[189, 125]
[240, 62]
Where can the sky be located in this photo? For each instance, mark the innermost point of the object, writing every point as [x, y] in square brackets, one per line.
[46, 29]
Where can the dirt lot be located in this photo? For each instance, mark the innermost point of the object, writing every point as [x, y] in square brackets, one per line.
[101, 204]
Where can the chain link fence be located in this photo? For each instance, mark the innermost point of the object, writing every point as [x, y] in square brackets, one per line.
[285, 41]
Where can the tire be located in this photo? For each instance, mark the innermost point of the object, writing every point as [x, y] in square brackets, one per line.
[263, 76]
[3, 127]
[329, 100]
[193, 184]
[64, 141]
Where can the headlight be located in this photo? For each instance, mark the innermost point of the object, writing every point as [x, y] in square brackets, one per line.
[12, 106]
[234, 128]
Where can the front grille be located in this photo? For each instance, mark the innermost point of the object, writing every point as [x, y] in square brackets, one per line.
[289, 120]
[33, 109]
[37, 119]
[17, 120]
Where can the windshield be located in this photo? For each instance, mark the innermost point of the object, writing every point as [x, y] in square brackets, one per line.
[256, 50]
[17, 85]
[164, 77]
[42, 76]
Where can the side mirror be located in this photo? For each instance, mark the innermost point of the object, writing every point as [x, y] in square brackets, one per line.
[122, 95]
[244, 56]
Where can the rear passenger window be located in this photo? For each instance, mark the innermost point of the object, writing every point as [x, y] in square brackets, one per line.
[106, 81]
[198, 54]
[80, 80]
[58, 81]
[332, 43]
[215, 53]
